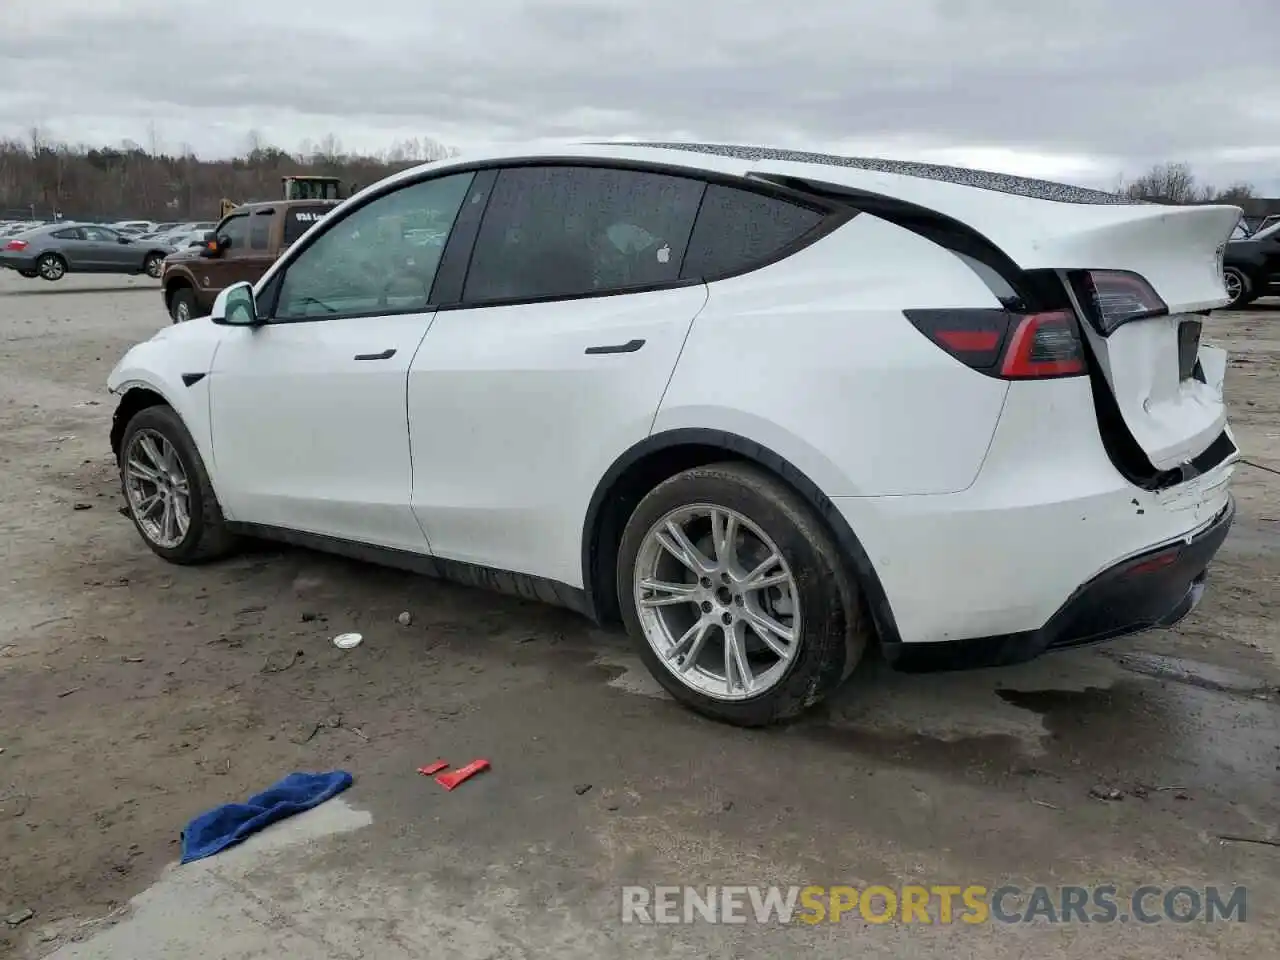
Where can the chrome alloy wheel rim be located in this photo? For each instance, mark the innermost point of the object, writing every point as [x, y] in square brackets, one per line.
[717, 602]
[51, 268]
[1233, 283]
[157, 488]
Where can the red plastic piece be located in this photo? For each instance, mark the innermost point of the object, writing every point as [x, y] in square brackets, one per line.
[451, 780]
[431, 768]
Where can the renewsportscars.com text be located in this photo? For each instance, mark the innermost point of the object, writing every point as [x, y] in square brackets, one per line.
[933, 904]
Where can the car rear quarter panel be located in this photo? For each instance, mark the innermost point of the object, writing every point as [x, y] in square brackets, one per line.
[813, 358]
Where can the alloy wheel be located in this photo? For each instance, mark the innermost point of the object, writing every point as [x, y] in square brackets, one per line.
[158, 489]
[717, 602]
[51, 268]
[1234, 284]
[154, 267]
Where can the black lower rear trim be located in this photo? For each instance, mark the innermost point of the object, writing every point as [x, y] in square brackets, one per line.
[1156, 589]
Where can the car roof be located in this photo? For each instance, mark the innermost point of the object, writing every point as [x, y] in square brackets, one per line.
[282, 204]
[740, 160]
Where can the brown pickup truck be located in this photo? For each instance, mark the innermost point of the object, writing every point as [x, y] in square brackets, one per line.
[241, 247]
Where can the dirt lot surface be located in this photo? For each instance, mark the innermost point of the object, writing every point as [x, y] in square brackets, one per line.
[134, 695]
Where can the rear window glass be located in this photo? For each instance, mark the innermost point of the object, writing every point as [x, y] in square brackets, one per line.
[298, 220]
[737, 230]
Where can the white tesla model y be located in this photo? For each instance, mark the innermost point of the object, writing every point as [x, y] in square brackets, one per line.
[764, 408]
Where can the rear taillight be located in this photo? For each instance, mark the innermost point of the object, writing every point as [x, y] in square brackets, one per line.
[1004, 344]
[16, 245]
[1112, 298]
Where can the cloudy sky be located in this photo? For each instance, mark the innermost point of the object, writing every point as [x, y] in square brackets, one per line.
[1078, 90]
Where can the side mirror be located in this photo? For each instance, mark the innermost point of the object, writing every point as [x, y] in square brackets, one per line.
[209, 245]
[236, 306]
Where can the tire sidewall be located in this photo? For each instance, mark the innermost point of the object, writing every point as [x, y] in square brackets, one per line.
[166, 422]
[821, 663]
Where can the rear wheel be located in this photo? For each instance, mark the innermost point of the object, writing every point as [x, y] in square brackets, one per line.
[1238, 287]
[167, 489]
[735, 594]
[51, 267]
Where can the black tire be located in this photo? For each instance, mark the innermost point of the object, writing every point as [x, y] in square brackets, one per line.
[51, 267]
[184, 298]
[834, 631]
[153, 264]
[207, 537]
[1245, 295]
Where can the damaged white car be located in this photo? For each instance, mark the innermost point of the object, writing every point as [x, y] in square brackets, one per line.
[764, 408]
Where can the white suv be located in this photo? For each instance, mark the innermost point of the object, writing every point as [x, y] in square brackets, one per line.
[763, 408]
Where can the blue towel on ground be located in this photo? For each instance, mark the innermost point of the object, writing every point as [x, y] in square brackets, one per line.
[225, 826]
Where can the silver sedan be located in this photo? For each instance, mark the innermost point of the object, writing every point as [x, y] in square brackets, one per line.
[54, 250]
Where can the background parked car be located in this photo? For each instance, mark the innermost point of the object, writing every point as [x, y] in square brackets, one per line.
[51, 251]
[1251, 266]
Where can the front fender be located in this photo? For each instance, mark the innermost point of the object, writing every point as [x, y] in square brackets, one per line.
[175, 365]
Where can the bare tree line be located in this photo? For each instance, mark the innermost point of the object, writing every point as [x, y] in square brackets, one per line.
[1176, 183]
[40, 178]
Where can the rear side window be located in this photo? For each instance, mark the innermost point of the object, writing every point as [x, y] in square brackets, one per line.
[71, 233]
[575, 231]
[298, 220]
[260, 230]
[738, 230]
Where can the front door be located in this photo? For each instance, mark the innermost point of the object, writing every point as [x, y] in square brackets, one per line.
[309, 420]
[229, 266]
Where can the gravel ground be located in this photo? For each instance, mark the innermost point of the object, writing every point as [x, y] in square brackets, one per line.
[134, 694]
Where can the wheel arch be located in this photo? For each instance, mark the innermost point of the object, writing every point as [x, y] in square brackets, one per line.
[134, 398]
[173, 284]
[663, 455]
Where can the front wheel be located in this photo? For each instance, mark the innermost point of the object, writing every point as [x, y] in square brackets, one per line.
[182, 305]
[167, 489]
[153, 266]
[736, 596]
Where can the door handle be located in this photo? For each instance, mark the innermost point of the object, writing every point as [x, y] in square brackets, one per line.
[384, 355]
[631, 346]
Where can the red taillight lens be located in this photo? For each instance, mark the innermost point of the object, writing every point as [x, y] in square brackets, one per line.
[1044, 345]
[16, 245]
[1000, 343]
[1111, 298]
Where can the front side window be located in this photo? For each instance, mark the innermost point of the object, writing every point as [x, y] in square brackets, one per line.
[380, 259]
[71, 233]
[234, 233]
[260, 230]
[99, 234]
[740, 229]
[573, 231]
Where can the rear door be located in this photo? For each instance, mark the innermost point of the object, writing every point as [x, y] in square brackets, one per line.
[70, 242]
[550, 360]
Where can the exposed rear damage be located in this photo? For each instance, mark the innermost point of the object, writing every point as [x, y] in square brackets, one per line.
[1113, 439]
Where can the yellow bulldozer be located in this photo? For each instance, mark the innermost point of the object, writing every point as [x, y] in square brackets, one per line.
[298, 187]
